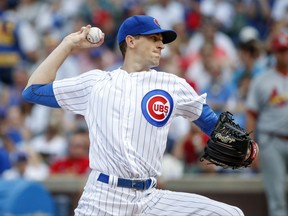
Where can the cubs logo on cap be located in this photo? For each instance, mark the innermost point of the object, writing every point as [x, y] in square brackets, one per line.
[156, 22]
[157, 106]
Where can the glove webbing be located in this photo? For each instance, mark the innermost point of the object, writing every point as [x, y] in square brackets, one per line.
[229, 127]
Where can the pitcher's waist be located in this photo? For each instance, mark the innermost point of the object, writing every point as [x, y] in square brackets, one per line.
[136, 184]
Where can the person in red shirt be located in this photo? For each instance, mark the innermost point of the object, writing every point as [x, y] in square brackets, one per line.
[77, 161]
[190, 148]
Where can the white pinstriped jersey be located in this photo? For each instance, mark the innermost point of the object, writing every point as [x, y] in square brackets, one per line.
[128, 116]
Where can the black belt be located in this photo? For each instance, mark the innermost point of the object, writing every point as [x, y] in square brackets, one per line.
[127, 183]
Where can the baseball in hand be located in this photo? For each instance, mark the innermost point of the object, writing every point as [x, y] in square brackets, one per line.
[94, 35]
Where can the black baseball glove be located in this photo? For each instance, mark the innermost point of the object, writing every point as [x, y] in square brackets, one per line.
[229, 145]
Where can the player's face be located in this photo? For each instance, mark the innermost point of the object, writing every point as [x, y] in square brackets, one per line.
[149, 49]
[282, 59]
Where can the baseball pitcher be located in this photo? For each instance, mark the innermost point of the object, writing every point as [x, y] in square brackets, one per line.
[128, 112]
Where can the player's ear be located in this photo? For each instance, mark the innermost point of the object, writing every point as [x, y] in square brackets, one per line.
[130, 41]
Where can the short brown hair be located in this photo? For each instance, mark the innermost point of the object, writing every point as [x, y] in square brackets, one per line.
[123, 48]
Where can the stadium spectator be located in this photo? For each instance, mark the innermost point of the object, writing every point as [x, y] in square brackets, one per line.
[222, 11]
[193, 16]
[252, 61]
[76, 161]
[13, 126]
[199, 64]
[218, 89]
[167, 12]
[190, 148]
[52, 144]
[18, 42]
[74, 164]
[251, 55]
[19, 165]
[209, 32]
[6, 150]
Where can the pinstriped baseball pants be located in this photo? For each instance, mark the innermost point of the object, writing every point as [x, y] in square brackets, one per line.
[103, 199]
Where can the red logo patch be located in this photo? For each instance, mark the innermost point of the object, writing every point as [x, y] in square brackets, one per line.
[158, 107]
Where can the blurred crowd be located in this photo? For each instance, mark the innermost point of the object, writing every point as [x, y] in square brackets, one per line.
[221, 46]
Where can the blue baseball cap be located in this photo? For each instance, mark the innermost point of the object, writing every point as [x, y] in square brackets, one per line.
[143, 25]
